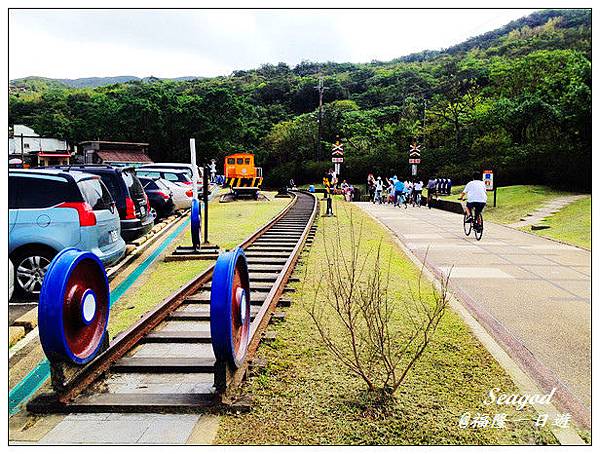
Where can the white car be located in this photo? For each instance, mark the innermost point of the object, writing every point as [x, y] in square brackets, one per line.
[182, 196]
[175, 166]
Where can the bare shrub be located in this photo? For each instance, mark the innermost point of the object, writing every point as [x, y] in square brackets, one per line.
[375, 336]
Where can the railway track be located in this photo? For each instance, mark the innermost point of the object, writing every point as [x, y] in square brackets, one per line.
[165, 362]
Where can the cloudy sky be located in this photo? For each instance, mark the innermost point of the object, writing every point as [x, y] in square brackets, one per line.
[172, 43]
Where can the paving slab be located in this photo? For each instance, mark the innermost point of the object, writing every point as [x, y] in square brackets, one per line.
[118, 428]
[533, 293]
[546, 210]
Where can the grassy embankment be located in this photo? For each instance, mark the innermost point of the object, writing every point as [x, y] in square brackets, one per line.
[572, 224]
[230, 223]
[305, 396]
[513, 202]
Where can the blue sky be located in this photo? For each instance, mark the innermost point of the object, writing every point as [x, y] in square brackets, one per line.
[171, 43]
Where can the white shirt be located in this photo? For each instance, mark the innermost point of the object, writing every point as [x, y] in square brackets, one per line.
[419, 186]
[476, 191]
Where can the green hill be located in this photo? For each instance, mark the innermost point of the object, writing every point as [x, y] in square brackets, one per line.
[517, 99]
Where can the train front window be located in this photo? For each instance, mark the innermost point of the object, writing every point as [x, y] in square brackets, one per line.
[247, 160]
[230, 161]
[240, 160]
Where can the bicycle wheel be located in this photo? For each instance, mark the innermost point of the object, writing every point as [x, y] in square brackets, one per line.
[479, 227]
[467, 225]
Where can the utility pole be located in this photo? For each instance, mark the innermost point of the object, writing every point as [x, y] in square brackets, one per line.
[321, 89]
[424, 112]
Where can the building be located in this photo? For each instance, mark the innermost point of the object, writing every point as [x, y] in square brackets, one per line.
[117, 154]
[27, 148]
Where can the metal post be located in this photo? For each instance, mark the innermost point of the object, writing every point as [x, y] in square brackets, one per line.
[194, 168]
[22, 153]
[205, 199]
[321, 88]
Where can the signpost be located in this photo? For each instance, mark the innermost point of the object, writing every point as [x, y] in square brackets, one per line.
[414, 157]
[488, 180]
[337, 156]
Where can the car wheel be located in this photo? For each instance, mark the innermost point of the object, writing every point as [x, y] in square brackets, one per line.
[30, 267]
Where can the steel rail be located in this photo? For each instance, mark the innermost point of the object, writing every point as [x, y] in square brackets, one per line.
[125, 341]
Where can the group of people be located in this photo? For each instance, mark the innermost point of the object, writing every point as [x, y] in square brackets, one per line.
[439, 186]
[394, 190]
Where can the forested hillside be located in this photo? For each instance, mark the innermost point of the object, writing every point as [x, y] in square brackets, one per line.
[517, 99]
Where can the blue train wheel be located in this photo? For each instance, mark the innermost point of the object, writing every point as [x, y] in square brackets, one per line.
[74, 307]
[230, 308]
[196, 224]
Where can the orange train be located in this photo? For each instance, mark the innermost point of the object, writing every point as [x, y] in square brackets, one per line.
[241, 176]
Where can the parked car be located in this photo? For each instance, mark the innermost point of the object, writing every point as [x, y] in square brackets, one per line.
[161, 197]
[179, 177]
[128, 194]
[11, 279]
[50, 210]
[188, 168]
[182, 196]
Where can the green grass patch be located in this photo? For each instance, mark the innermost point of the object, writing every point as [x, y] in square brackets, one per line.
[306, 396]
[513, 202]
[230, 224]
[572, 224]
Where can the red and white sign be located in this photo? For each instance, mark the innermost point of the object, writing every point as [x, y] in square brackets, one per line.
[414, 161]
[337, 159]
[337, 149]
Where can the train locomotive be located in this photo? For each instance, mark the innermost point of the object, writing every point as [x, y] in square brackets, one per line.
[241, 176]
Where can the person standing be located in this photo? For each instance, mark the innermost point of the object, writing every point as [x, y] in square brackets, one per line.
[431, 186]
[449, 186]
[377, 197]
[371, 186]
[418, 191]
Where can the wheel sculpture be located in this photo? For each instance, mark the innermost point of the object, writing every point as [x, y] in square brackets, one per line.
[230, 308]
[74, 306]
[196, 223]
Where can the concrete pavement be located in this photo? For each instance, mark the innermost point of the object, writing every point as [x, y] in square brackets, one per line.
[533, 295]
[546, 210]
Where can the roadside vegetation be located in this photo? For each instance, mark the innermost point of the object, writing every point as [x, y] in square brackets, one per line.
[230, 223]
[572, 224]
[306, 395]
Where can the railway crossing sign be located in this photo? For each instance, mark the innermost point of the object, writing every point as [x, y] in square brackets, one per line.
[415, 150]
[337, 155]
[414, 157]
[337, 149]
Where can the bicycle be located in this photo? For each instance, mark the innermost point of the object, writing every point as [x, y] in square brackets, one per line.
[417, 200]
[402, 199]
[475, 223]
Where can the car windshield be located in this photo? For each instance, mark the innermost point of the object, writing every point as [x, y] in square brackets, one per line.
[133, 184]
[95, 193]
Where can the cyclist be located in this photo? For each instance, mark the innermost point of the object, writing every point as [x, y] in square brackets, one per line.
[476, 196]
[398, 190]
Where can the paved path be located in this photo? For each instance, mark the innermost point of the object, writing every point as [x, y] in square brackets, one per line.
[532, 294]
[548, 209]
